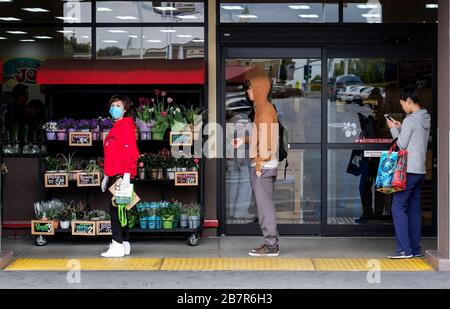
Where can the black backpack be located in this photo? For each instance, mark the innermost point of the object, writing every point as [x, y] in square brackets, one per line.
[283, 143]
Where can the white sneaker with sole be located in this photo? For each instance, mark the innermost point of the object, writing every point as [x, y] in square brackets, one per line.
[115, 250]
[127, 247]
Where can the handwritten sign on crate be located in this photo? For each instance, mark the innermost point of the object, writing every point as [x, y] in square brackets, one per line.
[42, 227]
[186, 178]
[88, 179]
[80, 139]
[180, 138]
[83, 228]
[56, 180]
[104, 228]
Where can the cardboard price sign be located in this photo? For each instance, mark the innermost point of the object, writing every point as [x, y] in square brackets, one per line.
[56, 180]
[181, 138]
[186, 178]
[104, 228]
[83, 228]
[80, 139]
[88, 179]
[42, 227]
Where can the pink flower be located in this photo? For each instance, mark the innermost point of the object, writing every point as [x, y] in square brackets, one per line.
[141, 164]
[153, 100]
[164, 114]
[196, 161]
[163, 93]
[157, 91]
[169, 100]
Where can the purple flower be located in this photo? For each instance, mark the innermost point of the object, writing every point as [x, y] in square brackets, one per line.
[93, 124]
[66, 123]
[106, 124]
[84, 124]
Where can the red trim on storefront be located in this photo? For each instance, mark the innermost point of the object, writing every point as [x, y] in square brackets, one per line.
[211, 223]
[123, 72]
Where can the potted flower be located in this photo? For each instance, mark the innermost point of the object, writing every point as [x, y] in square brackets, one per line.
[165, 162]
[84, 125]
[94, 126]
[51, 164]
[184, 216]
[177, 120]
[152, 165]
[65, 217]
[168, 214]
[144, 118]
[142, 166]
[161, 114]
[63, 126]
[50, 129]
[193, 213]
[195, 117]
[72, 125]
[105, 125]
[181, 164]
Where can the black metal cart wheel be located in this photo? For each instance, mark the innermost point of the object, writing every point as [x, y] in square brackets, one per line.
[40, 241]
[193, 239]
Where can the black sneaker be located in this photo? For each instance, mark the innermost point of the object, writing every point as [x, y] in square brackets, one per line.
[400, 255]
[418, 255]
[265, 251]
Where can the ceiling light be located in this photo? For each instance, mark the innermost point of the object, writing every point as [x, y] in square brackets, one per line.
[35, 10]
[300, 7]
[187, 17]
[43, 37]
[198, 41]
[85, 36]
[16, 32]
[168, 31]
[9, 19]
[68, 18]
[102, 9]
[308, 16]
[65, 31]
[232, 7]
[28, 40]
[371, 15]
[184, 36]
[117, 31]
[3, 38]
[166, 8]
[432, 6]
[247, 16]
[133, 36]
[127, 17]
[154, 41]
[368, 6]
[5, 0]
[110, 41]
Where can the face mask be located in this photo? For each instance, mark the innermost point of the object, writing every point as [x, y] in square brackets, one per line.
[116, 112]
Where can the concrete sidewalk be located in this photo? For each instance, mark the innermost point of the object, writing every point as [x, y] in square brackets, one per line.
[223, 247]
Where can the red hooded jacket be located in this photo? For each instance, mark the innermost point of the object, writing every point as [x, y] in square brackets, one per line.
[120, 149]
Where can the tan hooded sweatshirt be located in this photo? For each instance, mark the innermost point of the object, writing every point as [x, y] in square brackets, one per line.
[264, 139]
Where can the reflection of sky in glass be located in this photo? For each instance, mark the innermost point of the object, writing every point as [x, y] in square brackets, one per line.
[280, 12]
[144, 11]
[152, 37]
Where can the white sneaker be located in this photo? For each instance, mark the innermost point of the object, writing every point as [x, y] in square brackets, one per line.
[127, 247]
[115, 250]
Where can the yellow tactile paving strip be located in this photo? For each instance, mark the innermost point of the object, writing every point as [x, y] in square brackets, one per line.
[219, 264]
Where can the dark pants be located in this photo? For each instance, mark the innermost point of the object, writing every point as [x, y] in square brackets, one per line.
[119, 233]
[406, 213]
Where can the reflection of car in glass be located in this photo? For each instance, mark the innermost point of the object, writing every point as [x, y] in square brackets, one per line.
[366, 95]
[342, 82]
[279, 92]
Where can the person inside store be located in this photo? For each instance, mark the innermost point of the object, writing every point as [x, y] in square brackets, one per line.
[34, 118]
[264, 167]
[15, 116]
[413, 135]
[121, 155]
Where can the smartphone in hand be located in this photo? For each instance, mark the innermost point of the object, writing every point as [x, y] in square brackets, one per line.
[388, 117]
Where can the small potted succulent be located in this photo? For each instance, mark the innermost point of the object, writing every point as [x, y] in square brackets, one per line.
[50, 129]
[105, 126]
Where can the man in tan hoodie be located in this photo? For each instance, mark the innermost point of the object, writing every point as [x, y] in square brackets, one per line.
[264, 155]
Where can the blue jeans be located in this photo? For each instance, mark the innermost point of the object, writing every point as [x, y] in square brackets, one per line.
[406, 213]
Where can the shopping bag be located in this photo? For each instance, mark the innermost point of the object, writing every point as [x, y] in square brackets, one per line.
[119, 198]
[391, 175]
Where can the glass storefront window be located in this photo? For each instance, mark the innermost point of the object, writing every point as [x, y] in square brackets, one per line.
[45, 43]
[150, 11]
[352, 198]
[23, 11]
[362, 90]
[150, 43]
[296, 92]
[279, 12]
[296, 197]
[390, 11]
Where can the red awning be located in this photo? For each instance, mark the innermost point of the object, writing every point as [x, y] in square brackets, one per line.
[237, 74]
[101, 72]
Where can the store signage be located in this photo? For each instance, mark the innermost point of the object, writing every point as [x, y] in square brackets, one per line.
[42, 227]
[372, 154]
[374, 141]
[104, 228]
[186, 178]
[20, 71]
[83, 228]
[80, 138]
[56, 180]
[180, 138]
[88, 179]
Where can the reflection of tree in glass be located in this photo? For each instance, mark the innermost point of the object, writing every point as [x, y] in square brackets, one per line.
[71, 46]
[110, 51]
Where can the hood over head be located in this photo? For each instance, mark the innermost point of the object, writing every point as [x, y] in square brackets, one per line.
[261, 87]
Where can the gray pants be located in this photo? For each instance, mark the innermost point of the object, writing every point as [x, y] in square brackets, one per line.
[263, 188]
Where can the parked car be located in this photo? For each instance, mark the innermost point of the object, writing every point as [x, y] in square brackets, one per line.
[342, 82]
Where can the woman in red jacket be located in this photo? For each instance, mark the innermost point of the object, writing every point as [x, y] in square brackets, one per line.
[121, 155]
